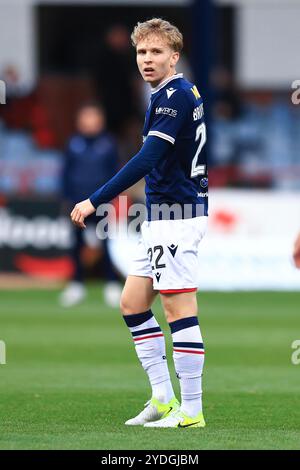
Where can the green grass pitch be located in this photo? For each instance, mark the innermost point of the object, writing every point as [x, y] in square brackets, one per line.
[72, 378]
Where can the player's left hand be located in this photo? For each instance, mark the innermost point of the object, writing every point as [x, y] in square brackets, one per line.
[82, 210]
[296, 254]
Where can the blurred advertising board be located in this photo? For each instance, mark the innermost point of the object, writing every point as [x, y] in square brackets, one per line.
[248, 245]
[35, 238]
[250, 241]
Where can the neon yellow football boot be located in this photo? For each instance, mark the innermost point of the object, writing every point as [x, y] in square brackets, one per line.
[178, 419]
[153, 411]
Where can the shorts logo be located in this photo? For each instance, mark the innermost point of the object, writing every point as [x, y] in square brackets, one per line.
[167, 111]
[157, 275]
[173, 249]
[204, 182]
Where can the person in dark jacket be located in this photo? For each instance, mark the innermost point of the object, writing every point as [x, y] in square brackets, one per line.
[91, 158]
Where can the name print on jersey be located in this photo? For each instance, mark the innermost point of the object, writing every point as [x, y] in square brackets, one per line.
[198, 112]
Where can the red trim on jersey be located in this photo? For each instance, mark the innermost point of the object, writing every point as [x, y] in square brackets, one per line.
[188, 351]
[177, 291]
[147, 337]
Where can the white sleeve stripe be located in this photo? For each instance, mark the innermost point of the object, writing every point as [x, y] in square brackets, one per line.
[163, 136]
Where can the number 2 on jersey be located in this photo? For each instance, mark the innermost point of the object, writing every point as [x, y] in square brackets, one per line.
[200, 134]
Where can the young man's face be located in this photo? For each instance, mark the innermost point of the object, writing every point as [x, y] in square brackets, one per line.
[155, 59]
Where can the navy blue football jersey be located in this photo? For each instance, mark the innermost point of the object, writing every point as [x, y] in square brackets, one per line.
[175, 113]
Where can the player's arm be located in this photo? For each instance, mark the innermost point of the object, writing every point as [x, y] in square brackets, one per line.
[139, 166]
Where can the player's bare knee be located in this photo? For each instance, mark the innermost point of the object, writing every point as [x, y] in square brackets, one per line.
[179, 306]
[170, 317]
[169, 309]
[125, 306]
[128, 307]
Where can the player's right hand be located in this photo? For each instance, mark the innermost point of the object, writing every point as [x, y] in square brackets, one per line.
[296, 254]
[82, 210]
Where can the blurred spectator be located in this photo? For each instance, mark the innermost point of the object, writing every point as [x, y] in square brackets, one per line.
[19, 100]
[91, 159]
[114, 73]
[41, 129]
[15, 88]
[254, 137]
[25, 110]
[227, 99]
[226, 111]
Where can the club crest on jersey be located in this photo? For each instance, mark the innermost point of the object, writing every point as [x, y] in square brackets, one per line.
[170, 92]
[196, 93]
[204, 182]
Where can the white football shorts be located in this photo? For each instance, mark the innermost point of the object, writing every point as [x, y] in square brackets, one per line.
[167, 252]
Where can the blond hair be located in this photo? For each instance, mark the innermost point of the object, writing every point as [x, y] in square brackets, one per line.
[159, 27]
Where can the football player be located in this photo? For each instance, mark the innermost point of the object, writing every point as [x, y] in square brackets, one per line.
[166, 261]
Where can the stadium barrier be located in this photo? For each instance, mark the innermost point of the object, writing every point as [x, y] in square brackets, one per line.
[248, 245]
